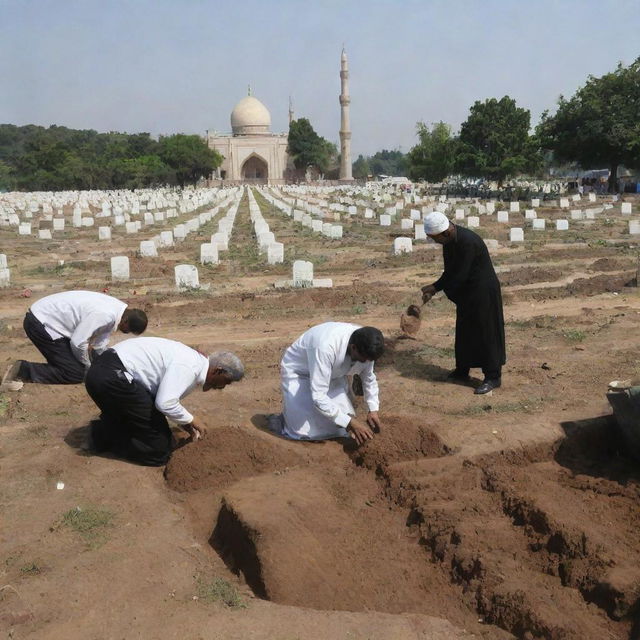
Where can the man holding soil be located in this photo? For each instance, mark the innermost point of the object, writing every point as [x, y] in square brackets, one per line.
[470, 282]
[139, 383]
[315, 390]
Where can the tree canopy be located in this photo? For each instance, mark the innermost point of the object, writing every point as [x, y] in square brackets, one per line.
[308, 149]
[494, 141]
[432, 159]
[600, 125]
[35, 158]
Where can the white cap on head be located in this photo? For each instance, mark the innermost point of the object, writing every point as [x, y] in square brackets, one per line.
[435, 223]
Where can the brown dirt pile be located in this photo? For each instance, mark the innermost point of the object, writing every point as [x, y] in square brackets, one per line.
[401, 438]
[529, 275]
[224, 456]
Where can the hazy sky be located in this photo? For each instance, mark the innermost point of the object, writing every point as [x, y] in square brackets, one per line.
[167, 66]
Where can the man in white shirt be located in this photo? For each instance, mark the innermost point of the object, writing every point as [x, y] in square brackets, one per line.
[315, 393]
[138, 384]
[66, 327]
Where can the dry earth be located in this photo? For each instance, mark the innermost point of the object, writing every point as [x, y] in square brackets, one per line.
[514, 514]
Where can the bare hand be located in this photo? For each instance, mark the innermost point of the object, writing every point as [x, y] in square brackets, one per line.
[374, 421]
[428, 292]
[360, 431]
[196, 431]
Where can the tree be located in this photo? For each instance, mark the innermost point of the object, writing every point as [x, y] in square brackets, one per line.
[189, 157]
[308, 149]
[360, 168]
[494, 141]
[598, 126]
[432, 159]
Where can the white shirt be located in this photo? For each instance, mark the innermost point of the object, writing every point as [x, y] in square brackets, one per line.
[168, 369]
[85, 317]
[320, 354]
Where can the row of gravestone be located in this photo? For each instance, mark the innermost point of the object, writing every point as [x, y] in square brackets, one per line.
[265, 238]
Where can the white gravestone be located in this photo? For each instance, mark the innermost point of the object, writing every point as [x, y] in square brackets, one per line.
[539, 224]
[406, 223]
[592, 197]
[414, 214]
[44, 234]
[385, 220]
[419, 232]
[491, 207]
[179, 232]
[459, 215]
[24, 229]
[564, 203]
[625, 208]
[104, 233]
[473, 221]
[208, 253]
[562, 225]
[530, 214]
[516, 234]
[120, 268]
[402, 245]
[87, 222]
[336, 232]
[634, 227]
[148, 249]
[302, 273]
[166, 238]
[3, 261]
[535, 202]
[576, 214]
[316, 225]
[275, 253]
[514, 207]
[58, 224]
[131, 227]
[5, 277]
[503, 216]
[221, 240]
[186, 276]
[368, 214]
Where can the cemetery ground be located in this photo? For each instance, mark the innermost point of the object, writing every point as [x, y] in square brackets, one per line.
[514, 514]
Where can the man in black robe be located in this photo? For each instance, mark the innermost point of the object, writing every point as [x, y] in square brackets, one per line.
[470, 282]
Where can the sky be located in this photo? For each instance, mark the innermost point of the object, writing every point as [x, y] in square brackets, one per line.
[180, 66]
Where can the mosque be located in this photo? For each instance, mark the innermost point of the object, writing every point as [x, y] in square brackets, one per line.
[252, 154]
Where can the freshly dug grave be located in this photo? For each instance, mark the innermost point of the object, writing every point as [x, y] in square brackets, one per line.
[329, 541]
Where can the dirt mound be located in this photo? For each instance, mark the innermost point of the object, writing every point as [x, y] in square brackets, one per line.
[224, 456]
[608, 264]
[529, 275]
[402, 438]
[314, 541]
[359, 293]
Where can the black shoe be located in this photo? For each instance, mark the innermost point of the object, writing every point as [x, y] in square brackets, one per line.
[488, 385]
[458, 376]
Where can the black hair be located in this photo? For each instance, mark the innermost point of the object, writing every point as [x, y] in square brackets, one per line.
[136, 319]
[369, 342]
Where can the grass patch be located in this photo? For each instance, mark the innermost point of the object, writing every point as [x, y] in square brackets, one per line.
[430, 351]
[31, 569]
[219, 590]
[91, 523]
[574, 335]
[4, 405]
[530, 405]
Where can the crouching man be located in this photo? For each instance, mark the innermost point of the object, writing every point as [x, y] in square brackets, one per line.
[139, 383]
[315, 390]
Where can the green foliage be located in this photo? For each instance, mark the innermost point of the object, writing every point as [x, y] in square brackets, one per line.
[35, 158]
[598, 126]
[219, 590]
[494, 141]
[574, 335]
[90, 523]
[388, 163]
[361, 168]
[308, 149]
[433, 157]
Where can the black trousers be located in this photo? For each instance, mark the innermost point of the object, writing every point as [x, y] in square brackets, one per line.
[130, 426]
[62, 366]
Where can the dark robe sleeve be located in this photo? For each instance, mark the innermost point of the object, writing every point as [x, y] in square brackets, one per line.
[457, 268]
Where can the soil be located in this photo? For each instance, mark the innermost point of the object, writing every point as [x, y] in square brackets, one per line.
[508, 515]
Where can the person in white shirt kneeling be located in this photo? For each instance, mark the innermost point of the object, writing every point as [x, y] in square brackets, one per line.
[315, 391]
[66, 328]
[139, 383]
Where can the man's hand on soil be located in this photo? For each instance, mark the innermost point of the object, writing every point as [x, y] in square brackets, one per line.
[374, 421]
[196, 431]
[360, 431]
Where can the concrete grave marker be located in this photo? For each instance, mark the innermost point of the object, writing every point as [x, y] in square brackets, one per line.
[473, 222]
[148, 249]
[302, 273]
[503, 216]
[539, 224]
[516, 234]
[275, 253]
[562, 225]
[186, 277]
[208, 253]
[402, 245]
[120, 268]
[104, 233]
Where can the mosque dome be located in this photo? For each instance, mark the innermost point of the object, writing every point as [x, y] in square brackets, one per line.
[249, 117]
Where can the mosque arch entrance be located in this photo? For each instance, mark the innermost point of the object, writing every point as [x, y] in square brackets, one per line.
[255, 169]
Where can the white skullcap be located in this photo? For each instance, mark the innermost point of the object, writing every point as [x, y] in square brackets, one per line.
[435, 223]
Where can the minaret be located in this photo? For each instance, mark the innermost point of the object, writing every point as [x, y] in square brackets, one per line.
[345, 126]
[290, 110]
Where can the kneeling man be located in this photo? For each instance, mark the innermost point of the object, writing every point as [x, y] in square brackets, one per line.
[315, 390]
[66, 327]
[139, 383]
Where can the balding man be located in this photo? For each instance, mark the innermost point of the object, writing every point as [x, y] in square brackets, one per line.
[470, 282]
[139, 383]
